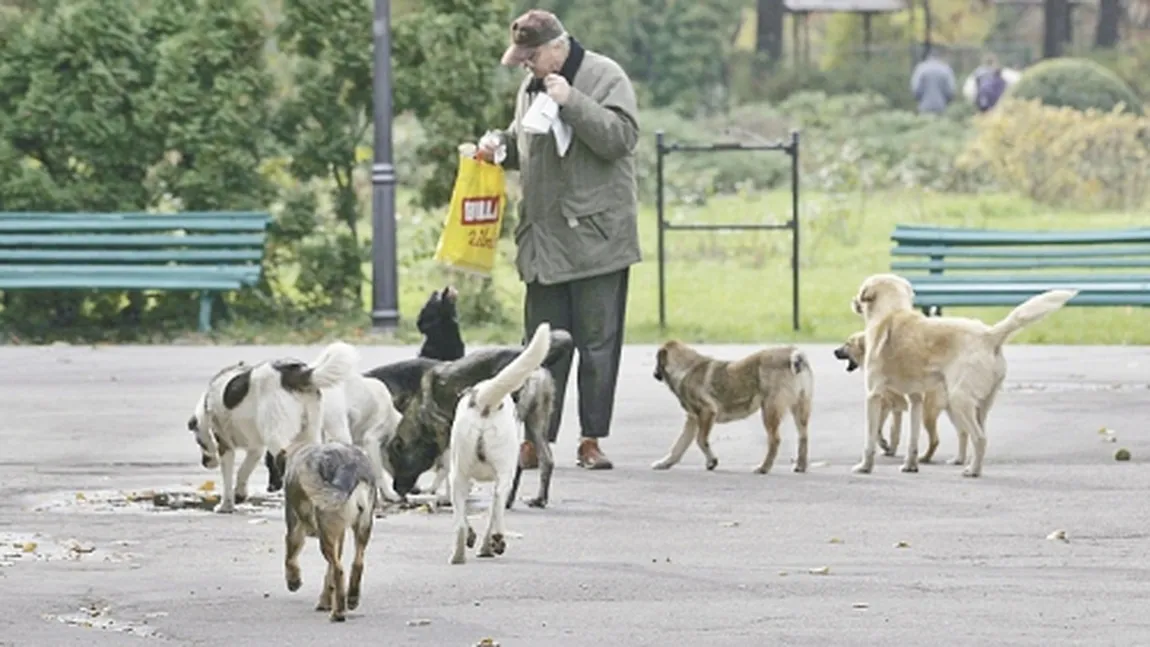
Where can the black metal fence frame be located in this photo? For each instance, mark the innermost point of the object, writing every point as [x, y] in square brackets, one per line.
[791, 148]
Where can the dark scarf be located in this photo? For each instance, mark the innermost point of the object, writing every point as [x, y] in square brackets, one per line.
[570, 67]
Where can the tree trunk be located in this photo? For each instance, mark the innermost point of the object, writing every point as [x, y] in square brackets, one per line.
[1109, 15]
[769, 29]
[1054, 27]
[928, 26]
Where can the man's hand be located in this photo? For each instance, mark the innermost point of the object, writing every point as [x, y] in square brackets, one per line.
[487, 146]
[557, 88]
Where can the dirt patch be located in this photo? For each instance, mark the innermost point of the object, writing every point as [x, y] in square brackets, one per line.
[17, 548]
[1077, 387]
[98, 615]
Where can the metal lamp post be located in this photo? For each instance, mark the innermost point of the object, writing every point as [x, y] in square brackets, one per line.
[384, 273]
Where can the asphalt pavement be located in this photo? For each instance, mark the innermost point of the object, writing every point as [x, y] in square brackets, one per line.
[628, 557]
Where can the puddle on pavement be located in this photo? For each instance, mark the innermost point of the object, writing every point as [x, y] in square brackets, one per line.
[190, 500]
[17, 548]
[96, 615]
[1078, 387]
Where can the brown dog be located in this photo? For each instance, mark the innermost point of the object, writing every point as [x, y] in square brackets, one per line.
[773, 381]
[853, 351]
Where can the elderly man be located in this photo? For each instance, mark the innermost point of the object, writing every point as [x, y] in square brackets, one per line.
[577, 234]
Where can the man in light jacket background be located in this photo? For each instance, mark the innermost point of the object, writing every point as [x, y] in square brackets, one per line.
[933, 84]
[577, 234]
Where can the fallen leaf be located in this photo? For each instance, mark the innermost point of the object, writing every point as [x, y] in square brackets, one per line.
[80, 496]
[1122, 455]
[861, 605]
[822, 570]
[29, 547]
[1058, 535]
[258, 520]
[730, 524]
[207, 486]
[819, 464]
[418, 622]
[902, 544]
[487, 642]
[836, 540]
[783, 573]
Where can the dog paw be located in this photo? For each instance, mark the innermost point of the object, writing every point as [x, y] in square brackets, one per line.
[712, 463]
[862, 468]
[661, 465]
[323, 605]
[338, 616]
[294, 584]
[799, 468]
[415, 490]
[510, 502]
[457, 558]
[498, 544]
[241, 496]
[926, 460]
[225, 508]
[909, 468]
[486, 551]
[886, 451]
[471, 538]
[969, 473]
[537, 502]
[762, 470]
[956, 461]
[352, 601]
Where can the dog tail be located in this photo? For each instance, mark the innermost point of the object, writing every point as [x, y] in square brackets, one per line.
[801, 368]
[490, 392]
[334, 365]
[1031, 311]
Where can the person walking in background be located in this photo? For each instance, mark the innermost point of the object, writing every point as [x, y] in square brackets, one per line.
[933, 84]
[577, 233]
[989, 84]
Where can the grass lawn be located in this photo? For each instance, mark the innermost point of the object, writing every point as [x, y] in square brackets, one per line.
[736, 287]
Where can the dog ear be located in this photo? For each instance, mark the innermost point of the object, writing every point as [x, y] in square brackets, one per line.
[237, 389]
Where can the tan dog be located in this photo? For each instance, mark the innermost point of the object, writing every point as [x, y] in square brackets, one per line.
[772, 381]
[912, 354]
[894, 404]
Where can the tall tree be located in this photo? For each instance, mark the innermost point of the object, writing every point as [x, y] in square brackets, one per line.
[769, 35]
[1054, 15]
[1109, 18]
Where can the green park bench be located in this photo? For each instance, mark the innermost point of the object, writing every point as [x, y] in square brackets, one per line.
[208, 252]
[951, 266]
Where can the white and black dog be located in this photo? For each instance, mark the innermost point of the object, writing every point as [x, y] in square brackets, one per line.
[485, 436]
[258, 407]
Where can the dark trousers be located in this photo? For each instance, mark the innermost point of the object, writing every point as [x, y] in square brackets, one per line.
[592, 310]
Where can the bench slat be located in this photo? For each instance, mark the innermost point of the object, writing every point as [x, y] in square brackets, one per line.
[33, 282]
[131, 256]
[1028, 287]
[1082, 299]
[1037, 279]
[127, 240]
[133, 270]
[951, 266]
[957, 236]
[157, 223]
[130, 215]
[1022, 252]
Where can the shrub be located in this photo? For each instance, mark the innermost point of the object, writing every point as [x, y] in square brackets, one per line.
[1076, 83]
[1065, 157]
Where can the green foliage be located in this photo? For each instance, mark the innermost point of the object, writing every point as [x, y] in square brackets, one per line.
[753, 81]
[320, 123]
[1129, 61]
[677, 51]
[1065, 157]
[849, 143]
[118, 105]
[1075, 83]
[446, 65]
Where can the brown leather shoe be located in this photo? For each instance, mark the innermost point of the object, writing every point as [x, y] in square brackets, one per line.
[528, 459]
[591, 457]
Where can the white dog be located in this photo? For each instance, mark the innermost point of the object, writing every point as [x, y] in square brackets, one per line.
[258, 407]
[485, 438]
[360, 411]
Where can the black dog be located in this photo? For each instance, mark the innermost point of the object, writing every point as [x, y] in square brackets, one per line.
[439, 323]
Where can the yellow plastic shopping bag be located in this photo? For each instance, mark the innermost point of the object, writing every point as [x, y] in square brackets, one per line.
[475, 217]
